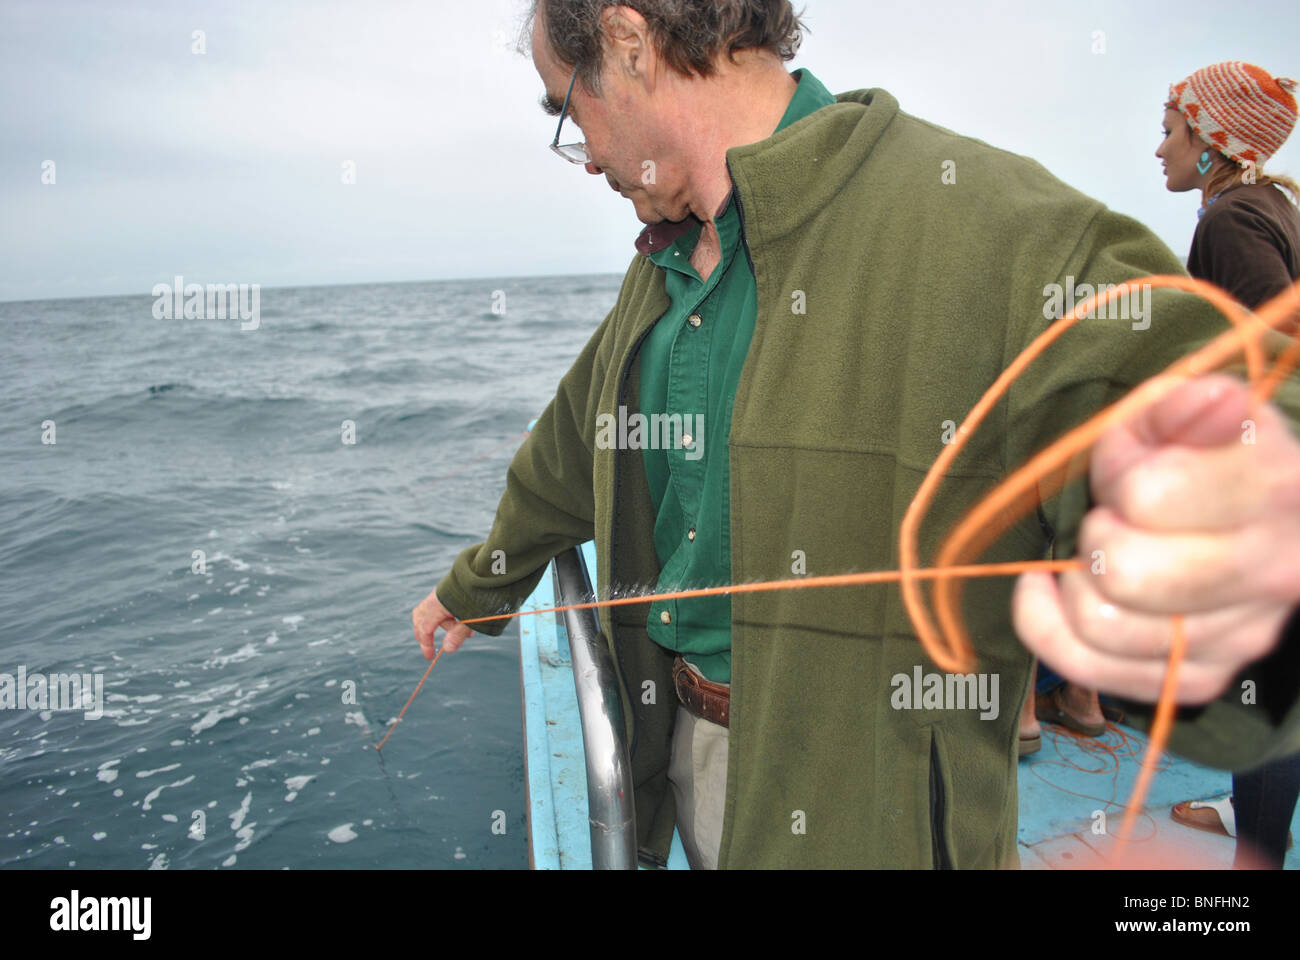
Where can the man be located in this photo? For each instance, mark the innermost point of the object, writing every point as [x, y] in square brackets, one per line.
[831, 284]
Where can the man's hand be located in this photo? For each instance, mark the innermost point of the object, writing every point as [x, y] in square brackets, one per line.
[431, 615]
[1198, 513]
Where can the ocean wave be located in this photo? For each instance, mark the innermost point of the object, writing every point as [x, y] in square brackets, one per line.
[142, 406]
[397, 373]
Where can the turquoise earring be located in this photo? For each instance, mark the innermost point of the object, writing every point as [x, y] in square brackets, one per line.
[1204, 165]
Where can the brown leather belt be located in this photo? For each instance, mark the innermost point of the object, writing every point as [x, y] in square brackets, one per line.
[703, 698]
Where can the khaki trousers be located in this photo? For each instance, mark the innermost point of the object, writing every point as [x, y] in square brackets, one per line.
[698, 774]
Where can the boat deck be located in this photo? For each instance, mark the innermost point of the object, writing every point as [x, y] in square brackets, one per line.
[1060, 788]
[1071, 777]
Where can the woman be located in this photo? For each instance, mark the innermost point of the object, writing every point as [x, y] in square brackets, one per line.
[1221, 125]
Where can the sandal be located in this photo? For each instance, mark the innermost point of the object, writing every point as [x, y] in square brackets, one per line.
[1212, 816]
[1030, 745]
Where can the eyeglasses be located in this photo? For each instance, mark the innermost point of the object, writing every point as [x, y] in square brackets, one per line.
[573, 152]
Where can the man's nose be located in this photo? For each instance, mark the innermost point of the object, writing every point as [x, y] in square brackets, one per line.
[593, 169]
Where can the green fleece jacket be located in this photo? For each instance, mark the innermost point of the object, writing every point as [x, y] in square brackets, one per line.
[925, 262]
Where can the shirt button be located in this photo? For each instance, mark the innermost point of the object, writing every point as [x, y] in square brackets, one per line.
[690, 534]
[666, 617]
[686, 439]
[694, 319]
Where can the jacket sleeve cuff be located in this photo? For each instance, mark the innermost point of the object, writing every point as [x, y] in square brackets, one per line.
[464, 606]
[459, 591]
[1257, 719]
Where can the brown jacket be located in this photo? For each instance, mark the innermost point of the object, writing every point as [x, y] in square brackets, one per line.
[1248, 243]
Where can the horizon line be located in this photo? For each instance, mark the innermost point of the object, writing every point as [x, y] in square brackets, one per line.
[302, 286]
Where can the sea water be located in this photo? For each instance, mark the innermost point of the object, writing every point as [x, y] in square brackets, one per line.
[229, 524]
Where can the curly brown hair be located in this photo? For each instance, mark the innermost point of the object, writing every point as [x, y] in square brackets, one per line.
[688, 34]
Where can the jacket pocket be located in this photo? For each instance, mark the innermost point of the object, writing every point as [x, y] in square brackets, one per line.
[940, 858]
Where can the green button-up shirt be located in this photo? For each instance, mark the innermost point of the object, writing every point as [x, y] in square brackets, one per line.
[690, 367]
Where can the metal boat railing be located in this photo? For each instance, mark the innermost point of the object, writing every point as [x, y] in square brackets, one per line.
[610, 808]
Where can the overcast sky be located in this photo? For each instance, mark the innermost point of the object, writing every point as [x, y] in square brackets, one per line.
[226, 166]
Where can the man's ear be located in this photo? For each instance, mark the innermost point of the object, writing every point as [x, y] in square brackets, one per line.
[628, 48]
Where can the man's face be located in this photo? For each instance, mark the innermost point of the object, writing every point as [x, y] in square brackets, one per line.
[620, 129]
[1180, 151]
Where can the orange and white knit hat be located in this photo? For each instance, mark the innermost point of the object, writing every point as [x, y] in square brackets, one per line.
[1238, 109]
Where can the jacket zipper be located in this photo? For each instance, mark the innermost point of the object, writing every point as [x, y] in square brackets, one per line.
[644, 855]
[939, 849]
[744, 243]
[613, 528]
[740, 212]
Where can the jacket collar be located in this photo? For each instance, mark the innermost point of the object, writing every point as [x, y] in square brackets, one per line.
[788, 177]
[774, 174]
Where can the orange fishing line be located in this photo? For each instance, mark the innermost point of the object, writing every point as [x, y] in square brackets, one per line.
[1286, 363]
[1044, 475]
[1160, 727]
[409, 700]
[1111, 755]
[832, 580]
[836, 580]
[1062, 461]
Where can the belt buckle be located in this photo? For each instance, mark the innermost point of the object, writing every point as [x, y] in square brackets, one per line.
[699, 705]
[679, 668]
